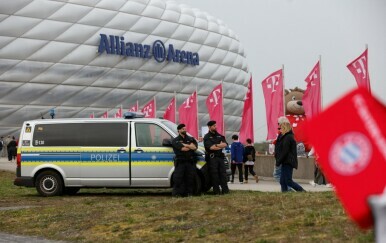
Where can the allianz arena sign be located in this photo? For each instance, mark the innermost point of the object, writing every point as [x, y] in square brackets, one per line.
[116, 45]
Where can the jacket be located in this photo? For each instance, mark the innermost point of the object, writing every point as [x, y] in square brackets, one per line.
[249, 150]
[237, 152]
[286, 152]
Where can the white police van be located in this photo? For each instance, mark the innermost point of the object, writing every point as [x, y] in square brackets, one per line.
[63, 155]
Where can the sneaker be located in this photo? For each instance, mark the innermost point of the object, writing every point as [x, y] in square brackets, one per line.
[241, 182]
[246, 182]
[312, 183]
[328, 185]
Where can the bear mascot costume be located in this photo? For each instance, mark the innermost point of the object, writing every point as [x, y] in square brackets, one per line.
[294, 111]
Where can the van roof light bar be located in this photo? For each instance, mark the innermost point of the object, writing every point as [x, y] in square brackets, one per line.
[131, 115]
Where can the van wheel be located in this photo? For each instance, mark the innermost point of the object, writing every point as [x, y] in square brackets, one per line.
[49, 183]
[197, 185]
[71, 190]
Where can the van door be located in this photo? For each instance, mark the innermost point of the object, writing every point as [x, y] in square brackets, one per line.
[105, 154]
[151, 163]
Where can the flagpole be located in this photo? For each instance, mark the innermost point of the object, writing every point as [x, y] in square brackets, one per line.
[175, 106]
[155, 107]
[320, 82]
[283, 90]
[137, 107]
[253, 131]
[368, 73]
[198, 127]
[222, 102]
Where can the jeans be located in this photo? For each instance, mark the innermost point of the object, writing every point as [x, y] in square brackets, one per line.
[277, 173]
[286, 179]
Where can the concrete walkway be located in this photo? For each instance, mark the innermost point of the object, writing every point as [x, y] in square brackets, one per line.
[266, 184]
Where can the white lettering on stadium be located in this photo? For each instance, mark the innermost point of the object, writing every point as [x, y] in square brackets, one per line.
[370, 124]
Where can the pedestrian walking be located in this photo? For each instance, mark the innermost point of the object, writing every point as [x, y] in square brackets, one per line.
[319, 178]
[237, 158]
[1, 146]
[249, 160]
[184, 147]
[11, 147]
[214, 143]
[277, 169]
[287, 158]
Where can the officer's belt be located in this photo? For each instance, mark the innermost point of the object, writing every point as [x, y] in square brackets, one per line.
[214, 155]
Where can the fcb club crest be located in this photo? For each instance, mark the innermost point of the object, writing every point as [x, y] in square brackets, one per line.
[350, 153]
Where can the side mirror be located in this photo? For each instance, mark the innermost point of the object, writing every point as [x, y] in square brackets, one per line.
[167, 142]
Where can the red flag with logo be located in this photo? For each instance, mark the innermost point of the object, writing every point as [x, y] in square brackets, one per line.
[350, 139]
[273, 96]
[170, 112]
[312, 99]
[215, 107]
[119, 113]
[359, 69]
[105, 115]
[149, 109]
[246, 129]
[188, 114]
[134, 108]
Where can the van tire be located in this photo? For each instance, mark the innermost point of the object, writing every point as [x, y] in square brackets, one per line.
[71, 190]
[49, 183]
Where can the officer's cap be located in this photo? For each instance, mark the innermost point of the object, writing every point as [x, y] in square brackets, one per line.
[179, 127]
[211, 123]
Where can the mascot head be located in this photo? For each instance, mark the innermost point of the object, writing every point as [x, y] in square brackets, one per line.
[293, 101]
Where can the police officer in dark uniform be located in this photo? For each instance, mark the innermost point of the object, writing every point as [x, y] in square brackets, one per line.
[214, 143]
[185, 166]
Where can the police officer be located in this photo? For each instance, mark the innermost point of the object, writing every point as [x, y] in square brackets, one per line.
[185, 166]
[214, 143]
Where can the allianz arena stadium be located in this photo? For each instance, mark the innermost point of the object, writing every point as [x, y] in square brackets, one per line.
[69, 56]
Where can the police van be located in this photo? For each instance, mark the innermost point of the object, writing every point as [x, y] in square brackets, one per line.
[61, 156]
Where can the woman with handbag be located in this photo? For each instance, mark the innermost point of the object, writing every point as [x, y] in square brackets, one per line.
[249, 160]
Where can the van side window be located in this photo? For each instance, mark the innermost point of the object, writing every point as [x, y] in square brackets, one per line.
[150, 135]
[81, 134]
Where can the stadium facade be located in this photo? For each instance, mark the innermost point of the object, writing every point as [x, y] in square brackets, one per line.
[81, 57]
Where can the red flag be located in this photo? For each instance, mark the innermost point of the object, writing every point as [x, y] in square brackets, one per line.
[312, 99]
[246, 129]
[188, 114]
[350, 139]
[359, 69]
[215, 108]
[170, 112]
[134, 108]
[149, 109]
[273, 95]
[92, 115]
[119, 113]
[105, 115]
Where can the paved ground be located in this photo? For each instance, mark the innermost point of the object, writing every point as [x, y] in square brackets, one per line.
[265, 184]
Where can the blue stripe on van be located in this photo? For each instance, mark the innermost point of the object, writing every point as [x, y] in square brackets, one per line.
[50, 156]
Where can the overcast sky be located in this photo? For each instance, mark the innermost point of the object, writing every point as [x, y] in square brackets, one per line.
[294, 33]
